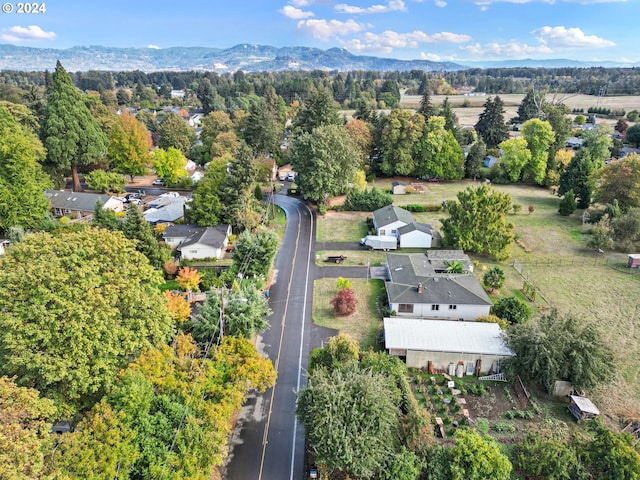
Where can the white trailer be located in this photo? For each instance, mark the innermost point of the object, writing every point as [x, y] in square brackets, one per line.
[379, 242]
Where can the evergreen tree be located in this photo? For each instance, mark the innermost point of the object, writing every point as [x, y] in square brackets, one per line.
[70, 133]
[319, 109]
[426, 109]
[239, 207]
[265, 124]
[135, 227]
[475, 159]
[205, 207]
[450, 120]
[530, 107]
[175, 132]
[491, 126]
[577, 177]
[105, 218]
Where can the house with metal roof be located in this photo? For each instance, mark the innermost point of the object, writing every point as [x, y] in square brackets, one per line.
[422, 343]
[419, 288]
[166, 210]
[80, 204]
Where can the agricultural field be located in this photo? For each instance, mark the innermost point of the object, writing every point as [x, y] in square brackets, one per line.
[566, 274]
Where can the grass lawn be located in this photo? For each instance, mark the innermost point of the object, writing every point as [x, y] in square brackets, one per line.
[168, 285]
[341, 226]
[568, 275]
[364, 324]
[355, 258]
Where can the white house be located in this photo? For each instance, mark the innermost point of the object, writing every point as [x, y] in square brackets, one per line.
[440, 343]
[194, 242]
[418, 235]
[166, 210]
[417, 289]
[387, 220]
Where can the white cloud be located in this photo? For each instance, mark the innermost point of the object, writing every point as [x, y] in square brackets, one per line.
[392, 5]
[563, 37]
[32, 33]
[324, 30]
[440, 3]
[508, 50]
[387, 41]
[430, 56]
[583, 2]
[295, 13]
[151, 45]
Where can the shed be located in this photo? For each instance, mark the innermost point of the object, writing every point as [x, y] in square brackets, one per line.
[634, 260]
[582, 408]
[398, 188]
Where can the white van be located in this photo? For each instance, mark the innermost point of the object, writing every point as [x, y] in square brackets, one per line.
[291, 177]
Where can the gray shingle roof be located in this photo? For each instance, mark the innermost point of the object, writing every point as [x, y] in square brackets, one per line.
[421, 227]
[167, 213]
[389, 214]
[407, 271]
[82, 202]
[210, 236]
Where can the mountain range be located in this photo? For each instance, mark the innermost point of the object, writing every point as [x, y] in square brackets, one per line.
[245, 57]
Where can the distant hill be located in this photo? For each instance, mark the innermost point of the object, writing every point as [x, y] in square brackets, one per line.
[550, 63]
[245, 57]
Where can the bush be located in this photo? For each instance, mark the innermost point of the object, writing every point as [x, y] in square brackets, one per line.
[567, 204]
[512, 309]
[366, 200]
[105, 181]
[503, 427]
[322, 209]
[426, 207]
[344, 303]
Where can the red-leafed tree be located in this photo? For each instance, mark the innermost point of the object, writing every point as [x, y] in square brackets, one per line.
[344, 303]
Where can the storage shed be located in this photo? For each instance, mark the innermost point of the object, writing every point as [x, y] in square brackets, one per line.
[634, 260]
[398, 188]
[582, 408]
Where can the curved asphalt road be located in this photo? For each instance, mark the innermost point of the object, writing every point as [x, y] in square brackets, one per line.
[268, 443]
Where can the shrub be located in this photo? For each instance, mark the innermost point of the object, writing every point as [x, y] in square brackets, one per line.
[516, 208]
[366, 200]
[567, 204]
[322, 209]
[503, 427]
[170, 267]
[344, 303]
[105, 181]
[426, 207]
[494, 278]
[482, 424]
[512, 309]
[531, 208]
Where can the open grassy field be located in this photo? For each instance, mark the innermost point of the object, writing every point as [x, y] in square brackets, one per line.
[568, 276]
[469, 115]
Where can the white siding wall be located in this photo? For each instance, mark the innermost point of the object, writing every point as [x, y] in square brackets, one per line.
[390, 229]
[415, 239]
[174, 241]
[467, 312]
[441, 360]
[194, 252]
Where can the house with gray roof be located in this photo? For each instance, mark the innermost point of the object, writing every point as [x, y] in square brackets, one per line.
[418, 288]
[418, 235]
[80, 204]
[166, 210]
[387, 220]
[194, 242]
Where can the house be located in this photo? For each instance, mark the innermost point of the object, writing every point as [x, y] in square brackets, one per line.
[574, 143]
[387, 220]
[490, 161]
[582, 408]
[441, 259]
[195, 242]
[398, 188]
[438, 343]
[417, 288]
[165, 210]
[79, 204]
[418, 235]
[629, 151]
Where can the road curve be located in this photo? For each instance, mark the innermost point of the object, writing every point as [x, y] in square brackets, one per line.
[268, 443]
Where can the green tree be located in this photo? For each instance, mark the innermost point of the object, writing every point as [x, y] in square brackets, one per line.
[512, 309]
[475, 159]
[477, 457]
[538, 457]
[626, 227]
[338, 352]
[319, 110]
[531, 106]
[205, 209]
[559, 347]
[240, 314]
[539, 136]
[602, 235]
[578, 178]
[611, 456]
[438, 152]
[426, 108]
[170, 165]
[70, 133]
[515, 157]
[350, 420]
[22, 181]
[491, 126]
[174, 132]
[633, 135]
[239, 206]
[135, 227]
[24, 431]
[105, 218]
[476, 222]
[75, 306]
[255, 252]
[104, 181]
[129, 146]
[265, 125]
[619, 181]
[401, 130]
[567, 204]
[494, 278]
[325, 160]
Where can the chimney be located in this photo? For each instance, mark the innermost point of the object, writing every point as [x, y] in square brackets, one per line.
[420, 288]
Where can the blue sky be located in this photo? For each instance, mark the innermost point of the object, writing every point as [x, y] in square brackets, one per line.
[441, 30]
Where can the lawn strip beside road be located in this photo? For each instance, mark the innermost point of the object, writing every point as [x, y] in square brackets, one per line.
[354, 258]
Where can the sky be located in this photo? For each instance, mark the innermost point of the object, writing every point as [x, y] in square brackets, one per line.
[438, 30]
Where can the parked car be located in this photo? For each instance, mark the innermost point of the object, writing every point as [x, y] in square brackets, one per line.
[170, 194]
[313, 472]
[135, 201]
[291, 177]
[157, 182]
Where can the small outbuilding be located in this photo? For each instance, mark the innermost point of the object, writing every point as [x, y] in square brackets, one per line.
[398, 188]
[582, 408]
[634, 260]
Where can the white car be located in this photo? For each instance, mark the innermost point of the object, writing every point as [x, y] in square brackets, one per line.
[291, 177]
[170, 194]
[157, 182]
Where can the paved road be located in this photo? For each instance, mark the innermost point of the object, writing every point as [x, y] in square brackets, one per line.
[268, 443]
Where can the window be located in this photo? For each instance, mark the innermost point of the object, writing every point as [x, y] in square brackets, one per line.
[193, 251]
[405, 308]
[453, 307]
[381, 232]
[435, 307]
